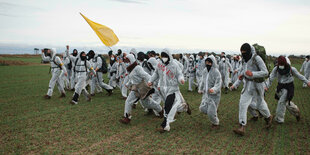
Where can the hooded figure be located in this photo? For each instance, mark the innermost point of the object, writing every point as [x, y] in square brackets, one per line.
[285, 73]
[236, 67]
[137, 79]
[306, 69]
[57, 67]
[191, 73]
[112, 68]
[200, 67]
[169, 75]
[253, 69]
[81, 67]
[72, 76]
[184, 61]
[225, 68]
[96, 62]
[211, 88]
[133, 51]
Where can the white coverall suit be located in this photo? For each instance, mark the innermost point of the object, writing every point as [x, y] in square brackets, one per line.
[210, 101]
[57, 67]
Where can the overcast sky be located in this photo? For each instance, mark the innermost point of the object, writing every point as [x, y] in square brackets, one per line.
[282, 26]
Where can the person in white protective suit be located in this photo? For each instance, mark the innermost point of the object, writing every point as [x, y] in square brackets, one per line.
[236, 67]
[191, 73]
[200, 66]
[71, 64]
[170, 75]
[306, 69]
[210, 87]
[185, 62]
[253, 72]
[97, 61]
[112, 67]
[121, 75]
[137, 76]
[225, 68]
[81, 67]
[57, 67]
[66, 79]
[285, 73]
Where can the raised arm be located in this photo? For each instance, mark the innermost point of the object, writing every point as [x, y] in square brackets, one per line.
[44, 58]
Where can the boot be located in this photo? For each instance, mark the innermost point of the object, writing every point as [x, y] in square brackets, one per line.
[62, 95]
[226, 90]
[134, 106]
[213, 126]
[88, 98]
[149, 112]
[161, 114]
[47, 97]
[160, 130]
[75, 99]
[269, 121]
[240, 131]
[298, 118]
[110, 92]
[92, 94]
[254, 119]
[124, 98]
[189, 112]
[125, 120]
[73, 102]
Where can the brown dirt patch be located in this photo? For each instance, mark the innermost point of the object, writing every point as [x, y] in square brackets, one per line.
[13, 63]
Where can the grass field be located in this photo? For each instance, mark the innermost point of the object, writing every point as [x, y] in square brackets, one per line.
[30, 124]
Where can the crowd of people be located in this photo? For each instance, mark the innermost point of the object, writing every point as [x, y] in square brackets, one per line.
[153, 78]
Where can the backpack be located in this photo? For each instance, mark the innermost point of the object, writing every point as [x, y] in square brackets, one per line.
[104, 67]
[260, 51]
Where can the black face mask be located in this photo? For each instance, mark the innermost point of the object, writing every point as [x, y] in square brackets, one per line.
[83, 58]
[74, 54]
[247, 56]
[48, 54]
[284, 71]
[208, 67]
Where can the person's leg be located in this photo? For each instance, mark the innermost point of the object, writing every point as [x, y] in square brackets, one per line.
[51, 85]
[293, 109]
[281, 107]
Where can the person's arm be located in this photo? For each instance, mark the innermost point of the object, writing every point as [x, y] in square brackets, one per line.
[90, 67]
[218, 82]
[262, 67]
[44, 58]
[271, 77]
[99, 63]
[237, 83]
[155, 76]
[299, 76]
[61, 64]
[179, 75]
[144, 75]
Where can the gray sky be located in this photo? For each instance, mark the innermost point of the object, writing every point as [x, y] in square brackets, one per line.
[282, 26]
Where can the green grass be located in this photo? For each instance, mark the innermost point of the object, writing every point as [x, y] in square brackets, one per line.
[31, 125]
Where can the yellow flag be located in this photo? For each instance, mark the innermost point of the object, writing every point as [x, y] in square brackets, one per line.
[106, 35]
